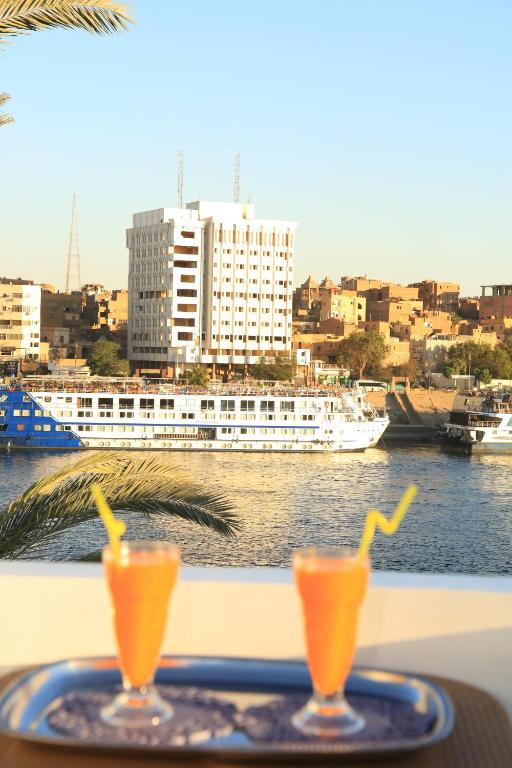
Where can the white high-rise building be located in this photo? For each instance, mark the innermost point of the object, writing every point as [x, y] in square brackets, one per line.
[209, 284]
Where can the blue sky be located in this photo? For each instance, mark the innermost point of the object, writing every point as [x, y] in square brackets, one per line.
[383, 128]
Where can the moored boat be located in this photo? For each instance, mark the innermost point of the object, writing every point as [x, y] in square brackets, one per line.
[117, 414]
[485, 430]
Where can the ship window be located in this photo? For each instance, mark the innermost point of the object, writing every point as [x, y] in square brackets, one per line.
[69, 399]
[47, 399]
[126, 402]
[227, 405]
[84, 402]
[38, 414]
[16, 412]
[67, 428]
[105, 402]
[37, 428]
[226, 430]
[207, 405]
[147, 402]
[247, 405]
[26, 398]
[287, 405]
[25, 412]
[267, 405]
[166, 403]
[58, 428]
[46, 428]
[128, 429]
[20, 427]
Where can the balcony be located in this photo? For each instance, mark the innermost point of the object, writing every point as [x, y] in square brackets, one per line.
[454, 626]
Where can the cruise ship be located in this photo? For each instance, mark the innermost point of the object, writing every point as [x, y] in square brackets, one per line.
[487, 429]
[128, 415]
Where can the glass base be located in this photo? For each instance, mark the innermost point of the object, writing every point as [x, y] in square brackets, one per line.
[328, 717]
[137, 708]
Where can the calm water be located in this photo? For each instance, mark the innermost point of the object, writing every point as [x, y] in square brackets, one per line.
[461, 522]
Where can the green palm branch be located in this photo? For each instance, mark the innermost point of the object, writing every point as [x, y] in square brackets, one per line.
[19, 17]
[4, 117]
[102, 17]
[148, 485]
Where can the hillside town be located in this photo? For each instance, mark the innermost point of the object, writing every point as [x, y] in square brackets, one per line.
[211, 295]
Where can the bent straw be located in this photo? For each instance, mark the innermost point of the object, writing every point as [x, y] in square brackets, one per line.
[375, 519]
[115, 528]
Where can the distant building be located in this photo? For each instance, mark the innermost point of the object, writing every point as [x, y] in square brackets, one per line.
[20, 321]
[105, 309]
[498, 303]
[60, 317]
[305, 295]
[361, 283]
[209, 285]
[438, 296]
[341, 305]
[393, 311]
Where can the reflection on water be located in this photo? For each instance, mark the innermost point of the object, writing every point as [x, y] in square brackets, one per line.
[460, 522]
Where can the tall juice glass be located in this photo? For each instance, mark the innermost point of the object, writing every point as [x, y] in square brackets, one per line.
[140, 582]
[332, 583]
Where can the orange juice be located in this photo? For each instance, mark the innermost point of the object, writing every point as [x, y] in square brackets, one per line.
[140, 584]
[332, 588]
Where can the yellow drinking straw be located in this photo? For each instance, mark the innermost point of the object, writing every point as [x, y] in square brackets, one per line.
[115, 528]
[375, 519]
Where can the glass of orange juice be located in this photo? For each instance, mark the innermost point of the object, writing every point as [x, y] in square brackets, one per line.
[140, 582]
[331, 583]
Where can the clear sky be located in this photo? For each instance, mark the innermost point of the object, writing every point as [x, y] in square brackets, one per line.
[383, 127]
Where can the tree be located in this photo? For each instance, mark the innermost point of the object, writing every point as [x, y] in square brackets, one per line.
[103, 359]
[19, 17]
[482, 375]
[198, 376]
[149, 486]
[464, 358]
[276, 369]
[362, 349]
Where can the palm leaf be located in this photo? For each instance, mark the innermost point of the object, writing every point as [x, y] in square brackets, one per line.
[4, 117]
[102, 17]
[147, 485]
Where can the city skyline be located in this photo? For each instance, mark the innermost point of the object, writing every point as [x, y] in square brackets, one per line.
[395, 163]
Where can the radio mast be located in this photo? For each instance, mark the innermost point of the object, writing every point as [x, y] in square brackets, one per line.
[73, 280]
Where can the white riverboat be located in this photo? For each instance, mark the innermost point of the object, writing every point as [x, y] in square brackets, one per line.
[485, 430]
[101, 414]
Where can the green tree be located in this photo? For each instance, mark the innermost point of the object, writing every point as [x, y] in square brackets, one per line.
[276, 369]
[363, 349]
[19, 17]
[103, 359]
[147, 485]
[482, 375]
[453, 368]
[466, 357]
[198, 376]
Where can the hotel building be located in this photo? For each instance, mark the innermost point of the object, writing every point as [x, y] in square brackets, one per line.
[209, 284]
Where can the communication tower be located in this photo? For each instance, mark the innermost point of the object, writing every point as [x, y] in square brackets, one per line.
[73, 280]
[180, 178]
[236, 184]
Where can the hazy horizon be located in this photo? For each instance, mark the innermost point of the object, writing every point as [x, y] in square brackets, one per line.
[384, 130]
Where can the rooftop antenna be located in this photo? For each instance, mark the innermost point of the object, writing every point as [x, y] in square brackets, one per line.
[73, 280]
[180, 178]
[236, 184]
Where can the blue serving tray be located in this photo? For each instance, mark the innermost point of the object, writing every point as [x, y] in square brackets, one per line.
[247, 683]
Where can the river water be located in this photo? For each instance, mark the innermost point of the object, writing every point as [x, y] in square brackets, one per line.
[461, 521]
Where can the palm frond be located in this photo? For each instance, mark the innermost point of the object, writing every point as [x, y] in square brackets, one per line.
[147, 485]
[4, 117]
[102, 17]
